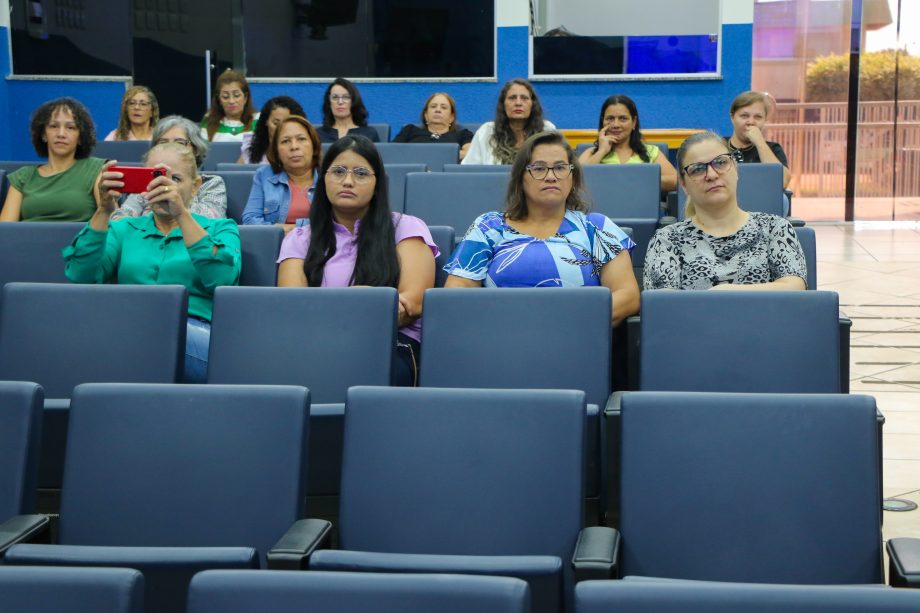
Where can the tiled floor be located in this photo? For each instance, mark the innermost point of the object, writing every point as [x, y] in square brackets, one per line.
[875, 267]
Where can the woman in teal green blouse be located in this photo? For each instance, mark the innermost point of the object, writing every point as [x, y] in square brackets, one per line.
[170, 247]
[63, 188]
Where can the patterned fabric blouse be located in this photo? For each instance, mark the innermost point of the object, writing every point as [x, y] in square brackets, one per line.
[498, 255]
[764, 249]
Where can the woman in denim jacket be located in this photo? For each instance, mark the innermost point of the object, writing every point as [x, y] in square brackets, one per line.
[282, 192]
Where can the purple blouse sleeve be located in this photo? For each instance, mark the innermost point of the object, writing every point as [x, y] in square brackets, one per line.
[406, 226]
[295, 244]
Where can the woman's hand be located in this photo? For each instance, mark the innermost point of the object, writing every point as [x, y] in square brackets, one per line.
[164, 196]
[108, 185]
[605, 143]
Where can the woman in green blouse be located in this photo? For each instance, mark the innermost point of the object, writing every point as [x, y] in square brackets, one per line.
[62, 189]
[170, 247]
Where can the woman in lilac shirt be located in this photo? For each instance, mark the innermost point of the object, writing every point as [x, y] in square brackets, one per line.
[353, 239]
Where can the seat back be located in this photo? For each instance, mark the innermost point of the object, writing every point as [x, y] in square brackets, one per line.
[61, 335]
[121, 150]
[466, 472]
[260, 247]
[243, 591]
[432, 155]
[195, 465]
[223, 166]
[20, 438]
[221, 152]
[327, 339]
[538, 351]
[705, 597]
[740, 341]
[396, 183]
[443, 237]
[29, 589]
[454, 199]
[760, 189]
[383, 131]
[506, 168]
[806, 238]
[767, 488]
[239, 185]
[32, 251]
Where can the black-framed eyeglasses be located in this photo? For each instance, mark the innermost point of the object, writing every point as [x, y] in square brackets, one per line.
[540, 171]
[141, 104]
[720, 163]
[360, 174]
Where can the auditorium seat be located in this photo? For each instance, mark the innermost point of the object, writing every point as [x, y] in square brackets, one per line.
[31, 252]
[239, 185]
[61, 335]
[527, 338]
[260, 246]
[761, 488]
[20, 437]
[221, 152]
[433, 155]
[396, 183]
[444, 238]
[481, 482]
[172, 479]
[71, 590]
[326, 339]
[121, 150]
[477, 168]
[216, 591]
[721, 597]
[454, 199]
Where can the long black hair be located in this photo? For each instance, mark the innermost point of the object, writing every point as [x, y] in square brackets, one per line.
[377, 264]
[635, 137]
[260, 142]
[358, 110]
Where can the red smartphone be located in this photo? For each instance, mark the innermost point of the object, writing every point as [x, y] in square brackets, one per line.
[137, 178]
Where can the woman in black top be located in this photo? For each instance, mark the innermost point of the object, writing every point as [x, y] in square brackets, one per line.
[439, 125]
[344, 113]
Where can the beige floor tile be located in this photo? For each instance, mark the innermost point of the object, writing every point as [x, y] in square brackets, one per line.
[869, 323]
[901, 422]
[908, 312]
[909, 339]
[894, 400]
[900, 446]
[870, 385]
[907, 375]
[902, 474]
[905, 524]
[884, 284]
[835, 272]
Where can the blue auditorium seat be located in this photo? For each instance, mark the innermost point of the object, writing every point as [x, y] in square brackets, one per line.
[71, 590]
[61, 335]
[383, 131]
[482, 482]
[396, 183]
[172, 479]
[31, 252]
[506, 168]
[20, 437]
[260, 246]
[221, 152]
[225, 166]
[454, 199]
[433, 155]
[720, 597]
[121, 150]
[760, 488]
[444, 238]
[326, 339]
[239, 185]
[216, 591]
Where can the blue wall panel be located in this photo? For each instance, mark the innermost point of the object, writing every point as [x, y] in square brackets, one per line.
[662, 104]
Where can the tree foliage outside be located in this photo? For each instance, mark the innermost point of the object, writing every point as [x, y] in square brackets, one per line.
[826, 79]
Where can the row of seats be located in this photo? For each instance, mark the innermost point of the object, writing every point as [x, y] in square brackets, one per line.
[175, 479]
[89, 590]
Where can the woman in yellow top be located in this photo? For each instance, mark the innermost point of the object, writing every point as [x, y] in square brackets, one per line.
[619, 141]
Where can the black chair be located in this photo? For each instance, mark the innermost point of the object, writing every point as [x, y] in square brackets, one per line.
[239, 185]
[71, 590]
[172, 479]
[759, 488]
[31, 252]
[481, 482]
[720, 597]
[221, 152]
[260, 247]
[61, 335]
[20, 437]
[216, 591]
[327, 339]
[121, 150]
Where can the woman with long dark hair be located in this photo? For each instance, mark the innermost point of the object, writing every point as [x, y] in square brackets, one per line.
[518, 116]
[344, 113]
[619, 141]
[256, 144]
[354, 239]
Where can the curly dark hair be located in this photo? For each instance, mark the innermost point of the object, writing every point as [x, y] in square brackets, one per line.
[358, 110]
[42, 117]
[504, 144]
[260, 141]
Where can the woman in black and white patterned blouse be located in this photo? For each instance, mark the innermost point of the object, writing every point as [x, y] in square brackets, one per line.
[719, 245]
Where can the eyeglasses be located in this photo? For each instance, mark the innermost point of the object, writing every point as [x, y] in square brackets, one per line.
[720, 163]
[141, 104]
[227, 95]
[179, 141]
[340, 98]
[361, 174]
[540, 171]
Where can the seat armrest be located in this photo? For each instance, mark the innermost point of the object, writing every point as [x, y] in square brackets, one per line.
[23, 529]
[796, 222]
[613, 404]
[293, 550]
[596, 553]
[904, 562]
[667, 220]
